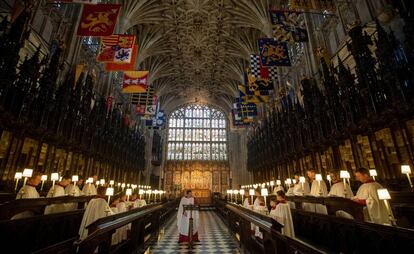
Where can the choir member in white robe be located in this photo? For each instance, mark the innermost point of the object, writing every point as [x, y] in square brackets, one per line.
[183, 218]
[278, 188]
[259, 206]
[89, 189]
[58, 190]
[97, 208]
[74, 190]
[318, 189]
[338, 190]
[280, 211]
[375, 210]
[28, 191]
[122, 207]
[298, 189]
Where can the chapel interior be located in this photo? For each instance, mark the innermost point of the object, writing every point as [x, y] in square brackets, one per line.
[206, 126]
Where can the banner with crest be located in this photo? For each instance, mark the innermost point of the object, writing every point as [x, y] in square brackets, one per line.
[98, 19]
[273, 53]
[116, 48]
[288, 26]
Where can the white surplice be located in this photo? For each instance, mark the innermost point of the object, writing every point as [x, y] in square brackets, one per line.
[73, 190]
[122, 232]
[283, 215]
[278, 188]
[246, 203]
[377, 212]
[89, 189]
[25, 192]
[139, 203]
[57, 191]
[97, 208]
[337, 190]
[318, 189]
[183, 217]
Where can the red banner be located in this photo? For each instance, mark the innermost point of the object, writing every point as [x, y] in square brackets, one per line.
[98, 20]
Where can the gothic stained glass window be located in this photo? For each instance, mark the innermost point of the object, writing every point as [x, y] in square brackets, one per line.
[197, 132]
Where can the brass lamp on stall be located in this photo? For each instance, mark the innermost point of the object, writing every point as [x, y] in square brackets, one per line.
[373, 173]
[141, 192]
[111, 183]
[384, 195]
[109, 193]
[102, 182]
[241, 195]
[236, 192]
[251, 193]
[272, 184]
[328, 177]
[123, 186]
[406, 169]
[54, 177]
[27, 173]
[318, 178]
[265, 193]
[343, 174]
[75, 178]
[128, 193]
[44, 179]
[17, 176]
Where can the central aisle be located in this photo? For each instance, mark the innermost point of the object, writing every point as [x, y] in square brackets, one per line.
[213, 234]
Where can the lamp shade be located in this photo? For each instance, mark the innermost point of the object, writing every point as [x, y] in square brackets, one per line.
[18, 175]
[405, 169]
[343, 174]
[318, 177]
[123, 185]
[90, 180]
[289, 181]
[231, 191]
[272, 183]
[98, 182]
[128, 192]
[236, 192]
[372, 172]
[54, 176]
[27, 172]
[102, 181]
[251, 192]
[141, 192]
[241, 192]
[111, 182]
[75, 178]
[328, 177]
[264, 192]
[302, 179]
[44, 178]
[119, 184]
[110, 191]
[383, 194]
[294, 181]
[278, 182]
[255, 186]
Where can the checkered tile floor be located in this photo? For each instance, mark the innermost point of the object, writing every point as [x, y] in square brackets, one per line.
[213, 234]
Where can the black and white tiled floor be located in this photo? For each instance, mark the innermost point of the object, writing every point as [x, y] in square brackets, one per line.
[213, 234]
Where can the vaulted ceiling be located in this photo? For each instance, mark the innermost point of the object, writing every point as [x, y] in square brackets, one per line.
[196, 50]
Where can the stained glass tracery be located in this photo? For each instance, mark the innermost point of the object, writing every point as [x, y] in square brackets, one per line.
[197, 132]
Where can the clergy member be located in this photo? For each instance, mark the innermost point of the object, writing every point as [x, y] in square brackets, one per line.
[299, 189]
[375, 210]
[318, 189]
[97, 208]
[89, 189]
[183, 218]
[29, 190]
[280, 211]
[75, 190]
[58, 190]
[337, 188]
